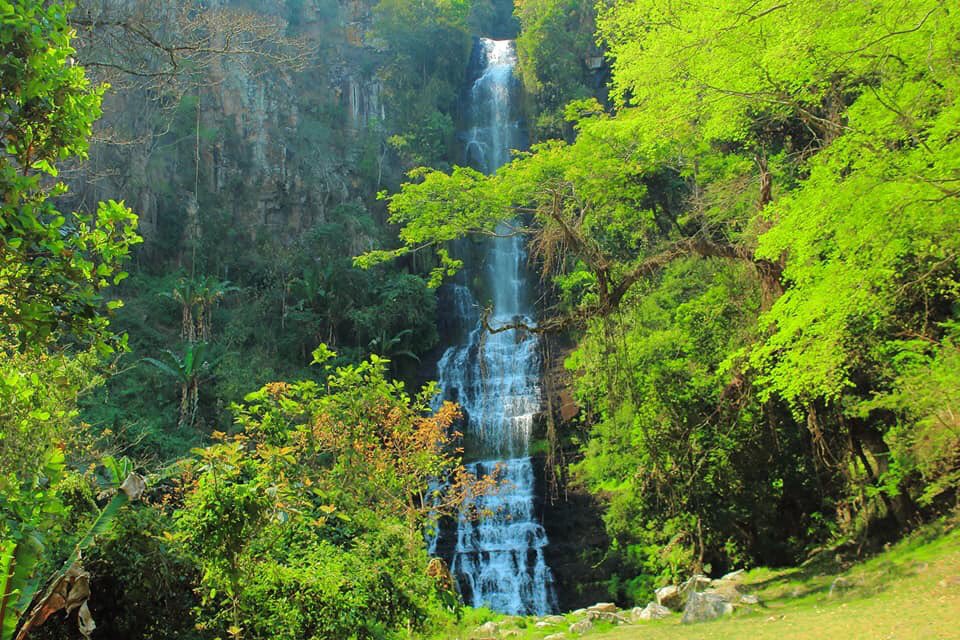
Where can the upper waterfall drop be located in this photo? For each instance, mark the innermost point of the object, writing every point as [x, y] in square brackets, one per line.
[499, 559]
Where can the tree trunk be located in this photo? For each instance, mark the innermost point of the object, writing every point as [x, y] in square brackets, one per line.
[901, 506]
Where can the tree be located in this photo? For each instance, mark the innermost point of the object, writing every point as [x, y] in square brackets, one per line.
[54, 268]
[187, 371]
[819, 166]
[309, 522]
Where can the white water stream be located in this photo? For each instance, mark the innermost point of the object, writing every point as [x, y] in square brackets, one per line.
[495, 378]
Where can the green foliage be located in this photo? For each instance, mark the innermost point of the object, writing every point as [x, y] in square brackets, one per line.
[52, 266]
[761, 246]
[53, 270]
[428, 44]
[556, 39]
[309, 522]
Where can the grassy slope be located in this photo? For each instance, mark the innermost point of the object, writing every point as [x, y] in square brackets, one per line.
[911, 591]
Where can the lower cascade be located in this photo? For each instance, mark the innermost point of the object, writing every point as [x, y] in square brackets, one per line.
[495, 377]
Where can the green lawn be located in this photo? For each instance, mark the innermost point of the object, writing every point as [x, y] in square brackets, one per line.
[911, 591]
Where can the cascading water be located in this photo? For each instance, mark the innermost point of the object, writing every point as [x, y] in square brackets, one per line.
[495, 377]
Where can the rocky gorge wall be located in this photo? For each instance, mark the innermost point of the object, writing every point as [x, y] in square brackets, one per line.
[254, 142]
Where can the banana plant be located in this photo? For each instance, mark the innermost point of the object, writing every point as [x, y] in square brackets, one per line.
[188, 371]
[197, 297]
[22, 549]
[391, 347]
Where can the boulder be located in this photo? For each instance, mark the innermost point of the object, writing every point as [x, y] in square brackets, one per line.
[840, 585]
[697, 583]
[487, 629]
[581, 627]
[733, 575]
[579, 612]
[702, 607]
[727, 589]
[603, 607]
[670, 597]
[652, 611]
[554, 619]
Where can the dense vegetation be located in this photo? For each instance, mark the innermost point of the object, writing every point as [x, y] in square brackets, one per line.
[756, 247]
[749, 236]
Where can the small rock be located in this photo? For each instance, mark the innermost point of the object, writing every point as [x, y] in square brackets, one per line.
[542, 624]
[839, 585]
[579, 612]
[554, 619]
[670, 597]
[603, 607]
[749, 598]
[702, 607]
[555, 636]
[581, 627]
[606, 617]
[652, 611]
[488, 629]
[733, 575]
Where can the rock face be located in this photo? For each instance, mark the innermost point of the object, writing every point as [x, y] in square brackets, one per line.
[273, 148]
[578, 541]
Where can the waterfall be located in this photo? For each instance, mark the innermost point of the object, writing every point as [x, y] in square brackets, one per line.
[495, 377]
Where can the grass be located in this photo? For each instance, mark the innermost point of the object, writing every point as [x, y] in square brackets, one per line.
[910, 591]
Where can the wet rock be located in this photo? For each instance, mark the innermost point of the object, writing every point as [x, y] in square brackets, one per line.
[702, 607]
